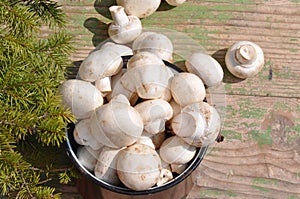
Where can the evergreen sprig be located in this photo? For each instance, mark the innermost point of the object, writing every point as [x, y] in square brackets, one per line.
[32, 66]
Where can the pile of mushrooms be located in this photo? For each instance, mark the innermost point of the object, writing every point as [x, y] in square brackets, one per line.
[140, 122]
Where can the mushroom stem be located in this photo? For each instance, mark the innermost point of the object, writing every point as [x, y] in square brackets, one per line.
[118, 15]
[246, 54]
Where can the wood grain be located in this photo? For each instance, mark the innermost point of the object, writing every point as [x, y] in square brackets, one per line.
[260, 157]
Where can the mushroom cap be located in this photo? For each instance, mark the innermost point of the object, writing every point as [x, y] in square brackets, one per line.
[139, 166]
[175, 2]
[88, 156]
[154, 113]
[106, 166]
[206, 67]
[244, 59]
[81, 97]
[156, 43]
[189, 124]
[187, 88]
[148, 86]
[83, 135]
[116, 124]
[213, 124]
[175, 150]
[99, 64]
[139, 8]
[144, 58]
[122, 50]
[128, 30]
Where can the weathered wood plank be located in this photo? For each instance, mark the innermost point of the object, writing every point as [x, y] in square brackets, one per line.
[260, 157]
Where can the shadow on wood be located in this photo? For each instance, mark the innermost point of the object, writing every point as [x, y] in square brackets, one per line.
[220, 57]
[102, 7]
[98, 28]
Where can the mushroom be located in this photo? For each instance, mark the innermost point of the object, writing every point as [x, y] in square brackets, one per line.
[106, 166]
[83, 135]
[156, 139]
[104, 85]
[206, 67]
[148, 86]
[139, 8]
[189, 124]
[81, 97]
[139, 167]
[155, 113]
[116, 124]
[187, 88]
[146, 140]
[118, 88]
[122, 50]
[165, 176]
[88, 156]
[99, 64]
[244, 59]
[124, 29]
[156, 43]
[175, 2]
[212, 120]
[142, 59]
[175, 150]
[178, 168]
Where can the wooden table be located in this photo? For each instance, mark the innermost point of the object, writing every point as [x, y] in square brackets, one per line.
[260, 156]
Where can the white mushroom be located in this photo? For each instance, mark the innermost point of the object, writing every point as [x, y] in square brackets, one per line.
[156, 43]
[116, 124]
[118, 88]
[175, 150]
[146, 140]
[104, 85]
[139, 167]
[178, 168]
[190, 125]
[187, 88]
[124, 29]
[165, 176]
[244, 59]
[122, 50]
[148, 86]
[106, 167]
[83, 135]
[88, 156]
[206, 67]
[99, 64]
[155, 113]
[212, 120]
[81, 97]
[175, 2]
[142, 59]
[139, 8]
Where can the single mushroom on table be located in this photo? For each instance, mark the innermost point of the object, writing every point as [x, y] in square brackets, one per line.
[124, 29]
[244, 59]
[175, 2]
[139, 8]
